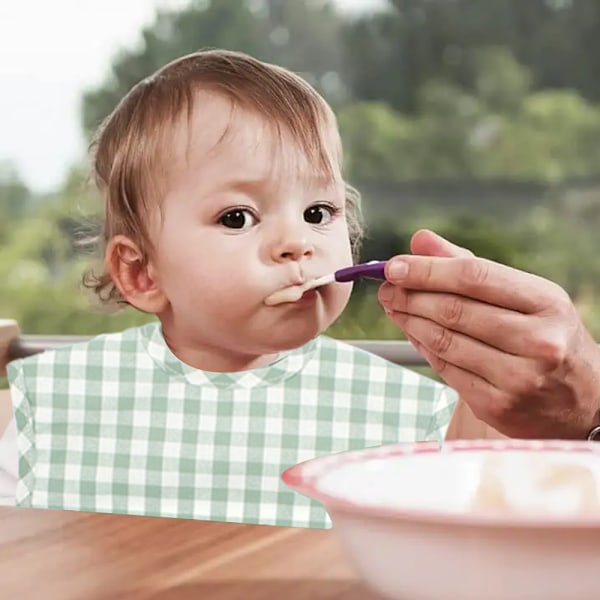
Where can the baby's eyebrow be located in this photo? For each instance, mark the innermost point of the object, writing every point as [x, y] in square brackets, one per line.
[249, 186]
[259, 185]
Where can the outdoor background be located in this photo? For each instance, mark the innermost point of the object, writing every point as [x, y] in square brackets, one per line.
[478, 118]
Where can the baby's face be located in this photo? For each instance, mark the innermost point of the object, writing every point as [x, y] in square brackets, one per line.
[245, 216]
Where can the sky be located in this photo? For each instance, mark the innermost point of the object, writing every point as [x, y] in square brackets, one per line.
[41, 82]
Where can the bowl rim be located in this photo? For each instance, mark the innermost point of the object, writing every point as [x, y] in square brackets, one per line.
[304, 477]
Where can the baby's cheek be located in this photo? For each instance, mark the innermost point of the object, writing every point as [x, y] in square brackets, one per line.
[238, 292]
[339, 294]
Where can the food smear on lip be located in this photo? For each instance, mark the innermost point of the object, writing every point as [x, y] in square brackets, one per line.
[536, 486]
[292, 293]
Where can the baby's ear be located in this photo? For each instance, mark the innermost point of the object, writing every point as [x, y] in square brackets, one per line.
[133, 275]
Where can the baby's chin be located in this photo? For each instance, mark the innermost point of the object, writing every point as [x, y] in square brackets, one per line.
[285, 343]
[289, 336]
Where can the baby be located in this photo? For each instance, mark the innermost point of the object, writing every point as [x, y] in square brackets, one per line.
[222, 184]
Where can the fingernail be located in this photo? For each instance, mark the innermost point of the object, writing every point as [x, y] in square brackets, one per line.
[386, 293]
[398, 269]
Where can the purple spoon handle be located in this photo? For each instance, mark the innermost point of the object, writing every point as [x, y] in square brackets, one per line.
[371, 270]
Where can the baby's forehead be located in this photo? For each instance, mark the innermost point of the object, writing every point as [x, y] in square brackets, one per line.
[222, 137]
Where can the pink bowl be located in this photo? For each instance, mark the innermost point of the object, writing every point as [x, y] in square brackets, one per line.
[405, 517]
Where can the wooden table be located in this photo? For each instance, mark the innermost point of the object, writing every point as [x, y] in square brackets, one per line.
[56, 555]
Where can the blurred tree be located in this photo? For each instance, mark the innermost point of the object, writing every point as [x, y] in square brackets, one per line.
[392, 53]
[499, 130]
[15, 196]
[303, 36]
[431, 58]
[552, 138]
[424, 90]
[378, 142]
[500, 82]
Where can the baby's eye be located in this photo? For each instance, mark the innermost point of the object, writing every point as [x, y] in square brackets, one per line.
[239, 218]
[320, 214]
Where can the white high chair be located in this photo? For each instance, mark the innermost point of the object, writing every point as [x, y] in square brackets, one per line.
[9, 331]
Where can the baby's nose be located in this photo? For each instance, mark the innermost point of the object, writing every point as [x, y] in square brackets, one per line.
[293, 249]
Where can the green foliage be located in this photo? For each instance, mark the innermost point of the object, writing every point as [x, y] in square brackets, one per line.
[392, 55]
[377, 142]
[304, 36]
[424, 91]
[500, 81]
[545, 136]
[15, 198]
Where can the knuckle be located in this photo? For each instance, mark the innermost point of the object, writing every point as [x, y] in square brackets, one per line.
[473, 272]
[439, 365]
[502, 407]
[423, 275]
[494, 409]
[452, 312]
[551, 352]
[557, 299]
[562, 302]
[526, 384]
[558, 291]
[402, 300]
[442, 341]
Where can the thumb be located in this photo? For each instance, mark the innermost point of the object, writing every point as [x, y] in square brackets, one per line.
[428, 243]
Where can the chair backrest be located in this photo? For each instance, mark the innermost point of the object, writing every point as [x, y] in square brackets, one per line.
[5, 410]
[9, 332]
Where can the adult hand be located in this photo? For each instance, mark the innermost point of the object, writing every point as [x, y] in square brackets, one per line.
[509, 342]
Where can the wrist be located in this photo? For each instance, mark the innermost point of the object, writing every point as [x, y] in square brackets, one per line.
[594, 434]
[591, 425]
[587, 385]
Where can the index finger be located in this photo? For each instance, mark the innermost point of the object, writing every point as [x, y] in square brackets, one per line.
[429, 243]
[476, 278]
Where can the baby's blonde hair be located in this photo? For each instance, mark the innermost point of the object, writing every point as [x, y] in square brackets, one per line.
[128, 150]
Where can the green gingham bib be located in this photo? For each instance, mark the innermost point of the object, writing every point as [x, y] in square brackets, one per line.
[119, 424]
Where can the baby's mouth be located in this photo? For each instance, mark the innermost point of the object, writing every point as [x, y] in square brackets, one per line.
[292, 293]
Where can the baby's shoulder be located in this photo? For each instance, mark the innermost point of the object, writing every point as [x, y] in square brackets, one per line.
[108, 347]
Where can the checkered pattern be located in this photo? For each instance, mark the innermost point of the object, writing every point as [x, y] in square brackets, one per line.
[119, 424]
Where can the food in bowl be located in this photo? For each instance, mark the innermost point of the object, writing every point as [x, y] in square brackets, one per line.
[547, 486]
[493, 520]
